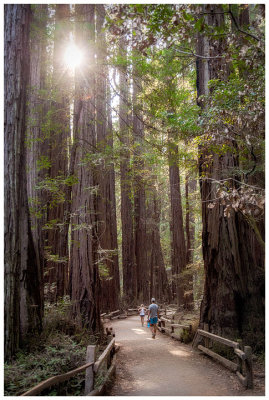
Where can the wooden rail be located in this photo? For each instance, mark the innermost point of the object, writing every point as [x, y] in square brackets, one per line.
[170, 330]
[92, 367]
[243, 367]
[55, 380]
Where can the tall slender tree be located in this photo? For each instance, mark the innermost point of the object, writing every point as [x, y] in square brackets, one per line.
[190, 187]
[159, 285]
[178, 246]
[57, 239]
[37, 151]
[22, 277]
[139, 193]
[128, 265]
[84, 276]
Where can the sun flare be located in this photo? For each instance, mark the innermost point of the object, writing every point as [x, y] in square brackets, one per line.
[73, 56]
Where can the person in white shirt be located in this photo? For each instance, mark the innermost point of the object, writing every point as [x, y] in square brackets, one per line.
[142, 311]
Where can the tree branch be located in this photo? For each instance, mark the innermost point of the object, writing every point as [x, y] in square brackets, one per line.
[238, 28]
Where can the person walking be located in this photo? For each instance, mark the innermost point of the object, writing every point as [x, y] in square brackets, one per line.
[142, 311]
[153, 314]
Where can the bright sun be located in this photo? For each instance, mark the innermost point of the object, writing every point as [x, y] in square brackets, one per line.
[73, 56]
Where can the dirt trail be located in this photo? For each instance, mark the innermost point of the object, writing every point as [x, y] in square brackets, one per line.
[165, 367]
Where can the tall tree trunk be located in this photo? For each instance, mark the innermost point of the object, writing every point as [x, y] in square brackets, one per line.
[178, 247]
[112, 190]
[84, 276]
[190, 187]
[37, 146]
[108, 257]
[233, 303]
[60, 136]
[139, 197]
[128, 265]
[22, 277]
[159, 286]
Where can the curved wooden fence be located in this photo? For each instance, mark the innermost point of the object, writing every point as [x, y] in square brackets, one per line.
[243, 365]
[105, 364]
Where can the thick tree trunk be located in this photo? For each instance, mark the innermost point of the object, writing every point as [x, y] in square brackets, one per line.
[107, 237]
[36, 143]
[233, 303]
[84, 277]
[22, 277]
[178, 247]
[128, 265]
[59, 140]
[139, 199]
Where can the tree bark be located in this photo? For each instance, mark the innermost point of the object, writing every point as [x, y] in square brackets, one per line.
[178, 247]
[84, 276]
[22, 278]
[57, 245]
[233, 303]
[36, 142]
[159, 286]
[139, 198]
[128, 264]
[190, 187]
[107, 236]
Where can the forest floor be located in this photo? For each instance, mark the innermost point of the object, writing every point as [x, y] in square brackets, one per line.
[166, 367]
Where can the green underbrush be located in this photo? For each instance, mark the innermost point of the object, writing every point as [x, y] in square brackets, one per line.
[61, 347]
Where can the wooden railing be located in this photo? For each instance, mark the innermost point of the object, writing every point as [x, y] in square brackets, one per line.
[170, 329]
[104, 366]
[243, 365]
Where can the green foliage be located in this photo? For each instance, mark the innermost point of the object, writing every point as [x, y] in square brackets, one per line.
[60, 348]
[43, 163]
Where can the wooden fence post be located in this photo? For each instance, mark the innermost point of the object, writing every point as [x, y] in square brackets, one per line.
[89, 378]
[249, 366]
[206, 328]
[239, 361]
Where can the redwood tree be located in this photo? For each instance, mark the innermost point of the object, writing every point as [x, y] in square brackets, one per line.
[22, 276]
[128, 264]
[190, 187]
[233, 303]
[178, 247]
[106, 216]
[159, 285]
[139, 194]
[37, 149]
[57, 240]
[84, 276]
